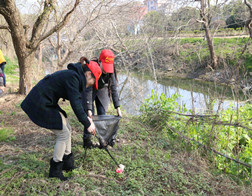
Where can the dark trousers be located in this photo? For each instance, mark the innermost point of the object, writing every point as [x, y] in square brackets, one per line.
[99, 107]
[100, 111]
[2, 68]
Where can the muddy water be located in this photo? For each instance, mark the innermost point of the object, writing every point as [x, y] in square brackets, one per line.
[203, 96]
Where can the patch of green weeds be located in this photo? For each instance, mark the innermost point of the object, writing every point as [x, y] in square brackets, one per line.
[6, 134]
[13, 113]
[10, 67]
[18, 105]
[11, 71]
[248, 62]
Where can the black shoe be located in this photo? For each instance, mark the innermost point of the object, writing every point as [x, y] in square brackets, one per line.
[56, 170]
[87, 143]
[68, 162]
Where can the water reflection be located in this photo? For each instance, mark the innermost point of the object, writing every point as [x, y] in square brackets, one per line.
[203, 96]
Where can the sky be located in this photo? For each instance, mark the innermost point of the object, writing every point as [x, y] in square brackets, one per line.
[27, 6]
[31, 6]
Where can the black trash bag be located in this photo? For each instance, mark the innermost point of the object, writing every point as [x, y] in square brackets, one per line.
[106, 127]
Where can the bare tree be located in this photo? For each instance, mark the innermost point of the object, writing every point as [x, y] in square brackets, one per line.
[205, 17]
[26, 47]
[68, 39]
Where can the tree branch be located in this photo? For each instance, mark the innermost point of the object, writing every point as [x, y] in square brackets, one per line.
[41, 20]
[59, 25]
[53, 44]
[88, 21]
[248, 4]
[5, 27]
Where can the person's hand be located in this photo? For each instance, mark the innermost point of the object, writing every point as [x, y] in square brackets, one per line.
[90, 113]
[91, 128]
[119, 111]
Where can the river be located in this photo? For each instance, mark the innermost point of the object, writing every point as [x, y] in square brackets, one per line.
[206, 96]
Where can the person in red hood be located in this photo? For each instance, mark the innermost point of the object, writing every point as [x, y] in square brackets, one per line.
[107, 88]
[41, 105]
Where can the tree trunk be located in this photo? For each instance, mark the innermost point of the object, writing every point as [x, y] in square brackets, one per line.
[208, 35]
[211, 46]
[25, 73]
[249, 22]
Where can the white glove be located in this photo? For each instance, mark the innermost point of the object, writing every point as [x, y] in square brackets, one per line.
[119, 111]
[90, 114]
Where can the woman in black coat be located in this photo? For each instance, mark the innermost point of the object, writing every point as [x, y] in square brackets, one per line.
[41, 105]
[107, 89]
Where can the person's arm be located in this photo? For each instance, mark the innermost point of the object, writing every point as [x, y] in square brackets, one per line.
[89, 98]
[115, 96]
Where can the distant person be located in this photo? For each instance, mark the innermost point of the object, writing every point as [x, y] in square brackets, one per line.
[41, 105]
[1, 83]
[107, 89]
[2, 64]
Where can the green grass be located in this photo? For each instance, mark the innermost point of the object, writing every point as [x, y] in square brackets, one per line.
[154, 165]
[11, 72]
[10, 67]
[225, 48]
[6, 134]
[248, 62]
[148, 170]
[192, 40]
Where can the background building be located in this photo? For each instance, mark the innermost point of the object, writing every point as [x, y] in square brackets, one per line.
[151, 5]
[165, 6]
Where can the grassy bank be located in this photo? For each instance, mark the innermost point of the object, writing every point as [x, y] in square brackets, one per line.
[190, 57]
[156, 163]
[225, 48]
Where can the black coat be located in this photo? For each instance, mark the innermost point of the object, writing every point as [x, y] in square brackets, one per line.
[41, 104]
[91, 93]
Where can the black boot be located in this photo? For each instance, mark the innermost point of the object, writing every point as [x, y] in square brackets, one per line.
[68, 162]
[56, 170]
[87, 143]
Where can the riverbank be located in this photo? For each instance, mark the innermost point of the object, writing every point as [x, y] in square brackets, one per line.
[215, 77]
[154, 164]
[190, 58]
